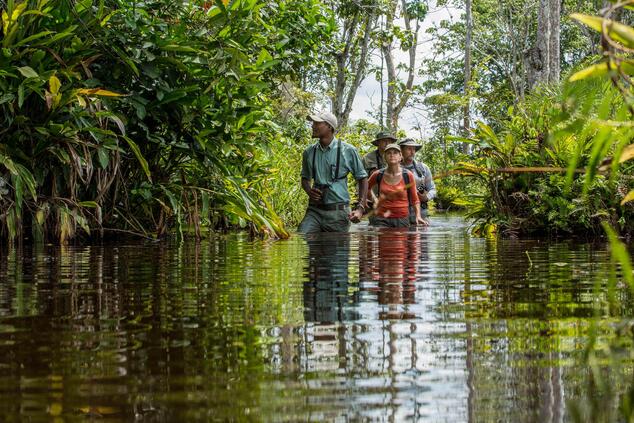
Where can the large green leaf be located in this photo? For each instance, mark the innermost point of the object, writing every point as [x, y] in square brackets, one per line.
[622, 33]
[137, 152]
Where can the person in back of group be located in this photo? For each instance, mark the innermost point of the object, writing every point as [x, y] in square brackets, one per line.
[397, 192]
[374, 159]
[325, 168]
[424, 181]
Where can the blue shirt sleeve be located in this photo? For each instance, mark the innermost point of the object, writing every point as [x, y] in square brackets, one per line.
[307, 171]
[356, 164]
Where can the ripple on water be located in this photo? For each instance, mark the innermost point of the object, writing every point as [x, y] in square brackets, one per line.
[380, 325]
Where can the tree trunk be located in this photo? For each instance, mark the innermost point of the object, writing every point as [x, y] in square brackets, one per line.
[351, 61]
[466, 124]
[397, 95]
[544, 57]
[554, 42]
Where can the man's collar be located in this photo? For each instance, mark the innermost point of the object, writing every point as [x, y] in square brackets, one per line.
[333, 143]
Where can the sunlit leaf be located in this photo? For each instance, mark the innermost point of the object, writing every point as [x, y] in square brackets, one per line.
[54, 85]
[629, 197]
[627, 154]
[599, 69]
[624, 34]
[28, 72]
[98, 92]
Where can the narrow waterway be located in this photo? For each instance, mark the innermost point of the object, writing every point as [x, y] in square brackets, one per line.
[425, 325]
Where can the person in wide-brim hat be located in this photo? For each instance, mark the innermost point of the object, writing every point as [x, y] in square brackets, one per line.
[374, 159]
[384, 136]
[422, 174]
[408, 142]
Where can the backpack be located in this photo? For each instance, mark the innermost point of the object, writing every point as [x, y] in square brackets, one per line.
[379, 177]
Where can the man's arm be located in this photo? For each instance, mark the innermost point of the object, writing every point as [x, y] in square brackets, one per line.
[307, 176]
[313, 193]
[362, 191]
[430, 186]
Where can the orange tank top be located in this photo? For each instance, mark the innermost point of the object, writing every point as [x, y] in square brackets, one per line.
[393, 202]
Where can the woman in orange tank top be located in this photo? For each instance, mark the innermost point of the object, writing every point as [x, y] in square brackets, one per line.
[395, 193]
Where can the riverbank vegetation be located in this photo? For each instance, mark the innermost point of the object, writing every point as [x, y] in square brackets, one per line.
[157, 118]
[148, 117]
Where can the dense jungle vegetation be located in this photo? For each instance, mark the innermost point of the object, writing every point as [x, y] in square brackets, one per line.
[159, 117]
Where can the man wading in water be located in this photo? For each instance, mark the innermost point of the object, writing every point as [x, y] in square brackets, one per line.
[424, 180]
[327, 164]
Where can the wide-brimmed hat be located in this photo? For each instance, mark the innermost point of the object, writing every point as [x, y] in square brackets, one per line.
[409, 142]
[383, 136]
[327, 117]
[393, 146]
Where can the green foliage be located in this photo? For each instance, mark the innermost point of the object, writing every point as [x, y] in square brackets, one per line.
[530, 167]
[146, 117]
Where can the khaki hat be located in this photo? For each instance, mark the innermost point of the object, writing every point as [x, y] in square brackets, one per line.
[393, 146]
[409, 142]
[383, 136]
[327, 117]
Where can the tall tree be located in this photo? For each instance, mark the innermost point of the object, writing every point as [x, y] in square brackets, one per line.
[356, 22]
[466, 113]
[399, 92]
[544, 58]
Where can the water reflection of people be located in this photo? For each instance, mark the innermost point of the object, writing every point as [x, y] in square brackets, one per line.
[392, 263]
[328, 304]
[326, 297]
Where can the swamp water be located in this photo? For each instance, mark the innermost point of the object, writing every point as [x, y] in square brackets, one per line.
[427, 325]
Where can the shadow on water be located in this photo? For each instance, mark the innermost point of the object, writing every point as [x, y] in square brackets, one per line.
[428, 324]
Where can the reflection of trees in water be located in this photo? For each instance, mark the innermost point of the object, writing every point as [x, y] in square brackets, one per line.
[146, 319]
[210, 318]
[522, 308]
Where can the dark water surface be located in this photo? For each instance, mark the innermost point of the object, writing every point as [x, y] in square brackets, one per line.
[430, 325]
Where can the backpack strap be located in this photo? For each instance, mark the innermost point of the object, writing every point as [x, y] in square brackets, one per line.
[378, 159]
[378, 180]
[406, 180]
[379, 176]
[337, 177]
[419, 170]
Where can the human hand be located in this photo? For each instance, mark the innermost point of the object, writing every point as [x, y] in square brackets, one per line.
[315, 194]
[356, 215]
[421, 221]
[422, 196]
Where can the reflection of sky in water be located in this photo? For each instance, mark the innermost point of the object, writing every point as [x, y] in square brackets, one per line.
[385, 325]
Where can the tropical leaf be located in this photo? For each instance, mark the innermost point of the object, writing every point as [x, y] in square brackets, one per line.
[629, 197]
[620, 255]
[98, 92]
[137, 152]
[600, 69]
[624, 34]
[28, 72]
[627, 153]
